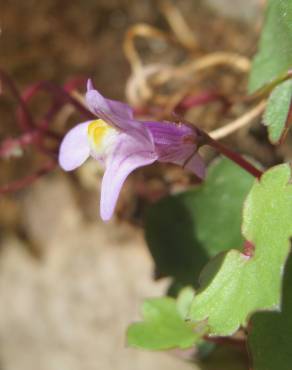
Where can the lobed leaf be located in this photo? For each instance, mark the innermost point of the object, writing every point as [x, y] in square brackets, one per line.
[274, 57]
[233, 285]
[271, 332]
[164, 326]
[184, 230]
[276, 116]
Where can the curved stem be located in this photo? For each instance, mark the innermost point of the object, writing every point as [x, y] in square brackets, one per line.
[235, 157]
[25, 181]
[27, 123]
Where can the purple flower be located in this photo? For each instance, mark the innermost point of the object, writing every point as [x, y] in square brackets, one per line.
[122, 144]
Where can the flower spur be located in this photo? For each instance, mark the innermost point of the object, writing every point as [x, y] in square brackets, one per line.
[122, 143]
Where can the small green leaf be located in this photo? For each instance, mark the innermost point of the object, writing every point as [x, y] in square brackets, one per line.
[234, 285]
[274, 57]
[271, 332]
[184, 230]
[184, 301]
[163, 326]
[277, 111]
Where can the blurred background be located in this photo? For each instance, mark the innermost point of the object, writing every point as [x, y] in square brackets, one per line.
[70, 284]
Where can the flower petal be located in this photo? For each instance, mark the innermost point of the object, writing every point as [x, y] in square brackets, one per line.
[102, 107]
[74, 149]
[197, 165]
[127, 156]
[169, 133]
[106, 109]
[117, 114]
[120, 109]
[170, 138]
[116, 107]
[176, 143]
[187, 158]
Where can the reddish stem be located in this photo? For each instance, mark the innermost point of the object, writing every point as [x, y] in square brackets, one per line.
[235, 157]
[57, 92]
[62, 96]
[35, 132]
[203, 98]
[188, 102]
[27, 122]
[74, 83]
[25, 181]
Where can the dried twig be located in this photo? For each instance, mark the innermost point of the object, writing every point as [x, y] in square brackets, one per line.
[178, 25]
[146, 80]
[240, 122]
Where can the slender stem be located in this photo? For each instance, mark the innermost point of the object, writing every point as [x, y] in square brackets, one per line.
[26, 181]
[178, 24]
[203, 98]
[235, 157]
[57, 92]
[27, 123]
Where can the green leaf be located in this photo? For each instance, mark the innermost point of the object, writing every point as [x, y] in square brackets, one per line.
[163, 326]
[271, 332]
[274, 57]
[184, 230]
[277, 111]
[233, 285]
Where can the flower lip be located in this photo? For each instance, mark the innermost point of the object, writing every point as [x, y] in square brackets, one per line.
[74, 149]
[126, 157]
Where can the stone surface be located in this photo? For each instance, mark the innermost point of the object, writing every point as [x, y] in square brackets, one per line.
[69, 309]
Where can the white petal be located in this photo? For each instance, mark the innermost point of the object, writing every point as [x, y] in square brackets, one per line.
[74, 149]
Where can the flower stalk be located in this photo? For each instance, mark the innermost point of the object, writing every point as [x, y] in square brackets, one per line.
[235, 157]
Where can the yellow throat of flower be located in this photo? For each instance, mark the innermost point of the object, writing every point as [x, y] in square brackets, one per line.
[101, 137]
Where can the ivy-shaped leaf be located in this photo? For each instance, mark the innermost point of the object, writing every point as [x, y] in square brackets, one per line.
[271, 332]
[184, 230]
[276, 116]
[274, 57]
[164, 326]
[233, 285]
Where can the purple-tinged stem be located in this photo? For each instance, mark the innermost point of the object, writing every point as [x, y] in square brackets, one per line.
[59, 93]
[74, 83]
[61, 96]
[203, 98]
[27, 122]
[235, 157]
[25, 181]
[204, 139]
